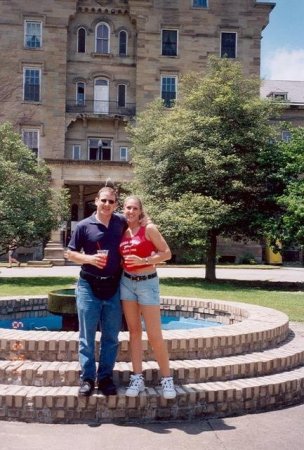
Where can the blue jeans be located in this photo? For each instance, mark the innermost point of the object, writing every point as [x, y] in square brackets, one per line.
[91, 312]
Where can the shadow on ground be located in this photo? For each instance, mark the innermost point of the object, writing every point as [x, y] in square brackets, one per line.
[234, 284]
[194, 427]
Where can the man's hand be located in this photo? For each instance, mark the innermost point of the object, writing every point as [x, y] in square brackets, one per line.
[98, 260]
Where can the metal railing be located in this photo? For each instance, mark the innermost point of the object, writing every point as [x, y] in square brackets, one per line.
[100, 107]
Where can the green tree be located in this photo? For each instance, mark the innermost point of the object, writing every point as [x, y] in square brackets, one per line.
[290, 227]
[29, 208]
[210, 165]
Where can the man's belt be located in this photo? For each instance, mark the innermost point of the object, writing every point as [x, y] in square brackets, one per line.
[140, 277]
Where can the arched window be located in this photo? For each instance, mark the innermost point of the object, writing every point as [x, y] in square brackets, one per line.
[80, 93]
[123, 43]
[103, 38]
[101, 96]
[81, 40]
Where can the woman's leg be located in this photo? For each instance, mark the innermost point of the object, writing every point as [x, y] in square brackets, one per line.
[132, 314]
[151, 315]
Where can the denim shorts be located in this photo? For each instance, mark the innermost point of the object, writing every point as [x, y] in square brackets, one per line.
[144, 292]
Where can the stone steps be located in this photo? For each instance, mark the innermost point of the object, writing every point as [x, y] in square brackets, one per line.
[182, 344]
[251, 363]
[247, 328]
[194, 400]
[58, 373]
[42, 263]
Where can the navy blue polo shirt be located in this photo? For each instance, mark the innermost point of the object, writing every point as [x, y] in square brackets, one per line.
[91, 235]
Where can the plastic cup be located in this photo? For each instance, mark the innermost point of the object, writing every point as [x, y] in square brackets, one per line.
[104, 253]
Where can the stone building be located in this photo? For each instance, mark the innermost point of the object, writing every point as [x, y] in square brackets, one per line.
[291, 95]
[76, 73]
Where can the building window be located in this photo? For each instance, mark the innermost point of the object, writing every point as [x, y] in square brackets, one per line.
[80, 93]
[31, 85]
[100, 149]
[31, 140]
[121, 95]
[32, 34]
[76, 152]
[123, 153]
[81, 40]
[228, 45]
[199, 3]
[103, 38]
[169, 42]
[101, 96]
[280, 96]
[168, 90]
[286, 136]
[123, 43]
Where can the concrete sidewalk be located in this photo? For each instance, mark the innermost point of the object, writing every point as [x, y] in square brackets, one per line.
[278, 430]
[287, 274]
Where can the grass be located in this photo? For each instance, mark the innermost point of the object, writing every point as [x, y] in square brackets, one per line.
[286, 297]
[33, 285]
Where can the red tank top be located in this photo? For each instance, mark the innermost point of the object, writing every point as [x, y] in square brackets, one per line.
[137, 245]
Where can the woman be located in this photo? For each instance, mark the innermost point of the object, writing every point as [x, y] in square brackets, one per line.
[11, 256]
[141, 248]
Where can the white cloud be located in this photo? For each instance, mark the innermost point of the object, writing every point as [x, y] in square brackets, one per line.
[284, 65]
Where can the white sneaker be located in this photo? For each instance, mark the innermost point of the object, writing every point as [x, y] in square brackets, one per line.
[168, 387]
[136, 385]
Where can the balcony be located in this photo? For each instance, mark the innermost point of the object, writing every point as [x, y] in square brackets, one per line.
[100, 108]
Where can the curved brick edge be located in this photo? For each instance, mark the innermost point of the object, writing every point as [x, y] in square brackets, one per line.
[286, 357]
[255, 328]
[204, 400]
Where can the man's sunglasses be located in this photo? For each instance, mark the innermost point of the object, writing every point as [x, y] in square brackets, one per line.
[105, 200]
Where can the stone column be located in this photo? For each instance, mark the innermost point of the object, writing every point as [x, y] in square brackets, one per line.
[54, 250]
[80, 203]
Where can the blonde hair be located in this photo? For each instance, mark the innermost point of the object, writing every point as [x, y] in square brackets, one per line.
[140, 204]
[109, 190]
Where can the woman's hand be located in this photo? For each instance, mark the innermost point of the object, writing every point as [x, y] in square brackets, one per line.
[133, 260]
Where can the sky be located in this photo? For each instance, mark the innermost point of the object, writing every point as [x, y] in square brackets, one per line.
[283, 42]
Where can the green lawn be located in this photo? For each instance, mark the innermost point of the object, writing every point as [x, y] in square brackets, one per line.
[34, 285]
[287, 297]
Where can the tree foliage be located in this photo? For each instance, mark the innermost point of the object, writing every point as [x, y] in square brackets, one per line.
[290, 228]
[210, 165]
[29, 208]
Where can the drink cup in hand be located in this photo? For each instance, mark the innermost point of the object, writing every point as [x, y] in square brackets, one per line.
[103, 253]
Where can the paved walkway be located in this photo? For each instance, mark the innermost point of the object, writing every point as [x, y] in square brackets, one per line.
[278, 430]
[281, 429]
[288, 274]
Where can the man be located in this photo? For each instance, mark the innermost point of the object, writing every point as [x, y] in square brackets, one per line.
[97, 292]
